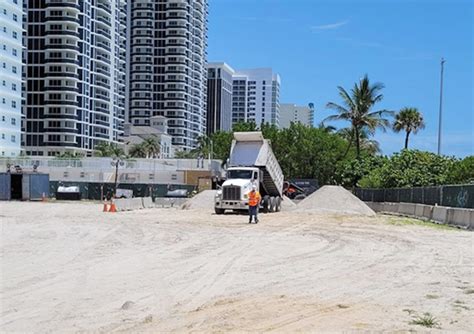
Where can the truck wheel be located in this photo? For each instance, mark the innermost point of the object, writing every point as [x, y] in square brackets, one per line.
[219, 211]
[272, 204]
[266, 204]
[278, 204]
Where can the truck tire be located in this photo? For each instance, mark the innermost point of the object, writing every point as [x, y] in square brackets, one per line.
[266, 204]
[272, 207]
[278, 204]
[219, 211]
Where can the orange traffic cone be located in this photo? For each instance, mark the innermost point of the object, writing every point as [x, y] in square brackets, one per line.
[112, 207]
[106, 208]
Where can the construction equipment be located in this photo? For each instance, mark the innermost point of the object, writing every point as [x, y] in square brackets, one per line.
[251, 162]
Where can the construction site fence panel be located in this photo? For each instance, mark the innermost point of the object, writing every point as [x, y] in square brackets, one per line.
[458, 196]
[99, 191]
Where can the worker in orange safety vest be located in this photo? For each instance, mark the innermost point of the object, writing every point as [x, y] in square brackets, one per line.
[254, 202]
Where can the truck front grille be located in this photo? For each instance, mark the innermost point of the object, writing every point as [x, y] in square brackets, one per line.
[231, 193]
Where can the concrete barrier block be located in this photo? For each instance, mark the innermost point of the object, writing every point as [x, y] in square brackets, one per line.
[377, 206]
[121, 204]
[440, 214]
[471, 221]
[390, 207]
[137, 203]
[460, 217]
[407, 209]
[419, 209]
[428, 212]
[147, 202]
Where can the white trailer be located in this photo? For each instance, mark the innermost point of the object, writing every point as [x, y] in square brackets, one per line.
[251, 162]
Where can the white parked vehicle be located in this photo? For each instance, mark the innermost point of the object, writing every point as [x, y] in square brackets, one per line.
[251, 162]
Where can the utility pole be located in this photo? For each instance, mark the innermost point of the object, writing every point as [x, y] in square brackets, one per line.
[440, 106]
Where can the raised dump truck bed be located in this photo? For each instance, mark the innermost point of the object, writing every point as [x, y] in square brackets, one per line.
[250, 149]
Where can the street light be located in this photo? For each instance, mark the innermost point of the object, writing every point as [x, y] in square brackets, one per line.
[116, 162]
[440, 106]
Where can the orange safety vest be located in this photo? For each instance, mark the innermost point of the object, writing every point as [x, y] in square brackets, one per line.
[254, 198]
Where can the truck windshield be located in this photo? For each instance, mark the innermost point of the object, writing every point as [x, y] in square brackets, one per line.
[239, 174]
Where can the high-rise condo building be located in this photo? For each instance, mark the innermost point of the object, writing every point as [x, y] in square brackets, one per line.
[11, 47]
[75, 94]
[219, 97]
[167, 66]
[297, 114]
[256, 96]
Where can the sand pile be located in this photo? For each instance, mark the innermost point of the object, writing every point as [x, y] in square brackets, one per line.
[287, 204]
[202, 201]
[335, 199]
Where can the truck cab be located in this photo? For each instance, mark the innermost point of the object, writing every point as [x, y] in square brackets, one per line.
[233, 194]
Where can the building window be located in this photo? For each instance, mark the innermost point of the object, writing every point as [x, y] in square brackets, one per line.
[3, 136]
[14, 87]
[14, 69]
[14, 34]
[14, 52]
[15, 18]
[13, 139]
[3, 118]
[13, 121]
[14, 104]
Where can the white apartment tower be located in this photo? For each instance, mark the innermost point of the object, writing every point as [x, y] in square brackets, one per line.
[75, 94]
[256, 96]
[11, 47]
[291, 113]
[167, 73]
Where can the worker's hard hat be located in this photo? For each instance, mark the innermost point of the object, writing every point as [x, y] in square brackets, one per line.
[254, 187]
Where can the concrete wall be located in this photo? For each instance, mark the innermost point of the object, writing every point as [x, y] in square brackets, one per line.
[462, 218]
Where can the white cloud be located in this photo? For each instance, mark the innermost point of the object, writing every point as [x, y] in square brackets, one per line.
[330, 26]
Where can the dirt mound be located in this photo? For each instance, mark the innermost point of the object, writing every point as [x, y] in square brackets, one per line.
[202, 201]
[335, 199]
[287, 204]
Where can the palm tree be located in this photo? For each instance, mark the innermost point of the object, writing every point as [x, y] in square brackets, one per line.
[203, 146]
[357, 110]
[369, 145]
[410, 120]
[326, 128]
[106, 149]
[152, 147]
[137, 151]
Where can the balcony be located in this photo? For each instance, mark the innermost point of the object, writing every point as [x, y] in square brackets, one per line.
[103, 33]
[103, 45]
[105, 7]
[103, 59]
[72, 4]
[62, 32]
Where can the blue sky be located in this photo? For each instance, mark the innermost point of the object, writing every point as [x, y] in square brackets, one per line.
[317, 45]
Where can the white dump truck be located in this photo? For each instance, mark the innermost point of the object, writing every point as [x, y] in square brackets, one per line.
[251, 162]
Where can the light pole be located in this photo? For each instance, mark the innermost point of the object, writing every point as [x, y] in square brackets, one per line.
[440, 106]
[116, 162]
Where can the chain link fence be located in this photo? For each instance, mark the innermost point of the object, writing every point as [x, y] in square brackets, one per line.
[98, 191]
[458, 196]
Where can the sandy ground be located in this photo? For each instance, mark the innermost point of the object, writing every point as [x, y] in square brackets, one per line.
[71, 268]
